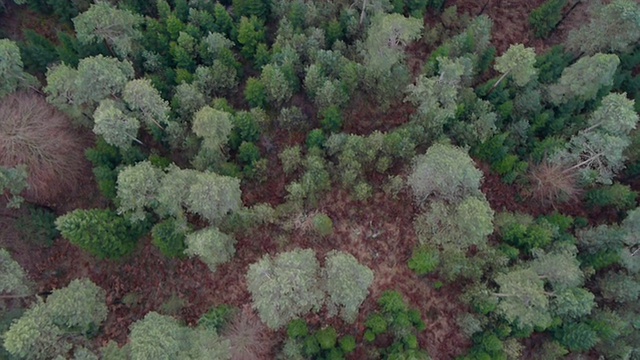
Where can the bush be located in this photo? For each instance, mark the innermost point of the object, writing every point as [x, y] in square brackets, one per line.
[35, 134]
[323, 225]
[102, 233]
[424, 261]
[169, 236]
[617, 196]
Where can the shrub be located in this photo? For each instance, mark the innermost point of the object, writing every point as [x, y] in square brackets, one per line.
[169, 236]
[102, 233]
[424, 261]
[35, 134]
[322, 225]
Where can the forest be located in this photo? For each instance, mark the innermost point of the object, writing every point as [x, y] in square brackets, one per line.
[299, 179]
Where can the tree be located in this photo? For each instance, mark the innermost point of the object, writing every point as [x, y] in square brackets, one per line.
[212, 196]
[446, 172]
[214, 126]
[582, 80]
[137, 189]
[285, 287]
[546, 17]
[146, 102]
[160, 337]
[102, 233]
[277, 89]
[116, 127]
[173, 191]
[614, 27]
[523, 300]
[560, 268]
[13, 278]
[211, 246]
[102, 22]
[517, 62]
[44, 330]
[97, 77]
[11, 68]
[573, 303]
[347, 283]
[12, 182]
[35, 137]
[251, 32]
[615, 115]
[458, 226]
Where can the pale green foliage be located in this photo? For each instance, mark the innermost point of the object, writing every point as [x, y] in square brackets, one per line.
[214, 126]
[291, 159]
[38, 334]
[214, 45]
[187, 100]
[33, 336]
[572, 303]
[11, 71]
[174, 191]
[103, 22]
[216, 79]
[615, 115]
[386, 38]
[212, 196]
[96, 78]
[523, 301]
[79, 307]
[160, 337]
[560, 268]
[347, 283]
[137, 189]
[436, 97]
[277, 87]
[446, 172]
[585, 78]
[116, 127]
[459, 226]
[285, 287]
[518, 62]
[619, 287]
[146, 102]
[614, 27]
[630, 257]
[211, 246]
[13, 278]
[14, 181]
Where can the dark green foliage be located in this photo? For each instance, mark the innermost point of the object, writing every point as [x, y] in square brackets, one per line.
[333, 32]
[376, 324]
[537, 235]
[38, 226]
[37, 52]
[169, 236]
[551, 64]
[546, 17]
[248, 154]
[327, 338]
[217, 317]
[617, 196]
[331, 120]
[107, 179]
[251, 32]
[316, 138]
[311, 346]
[424, 261]
[102, 233]
[255, 93]
[563, 222]
[223, 21]
[245, 129]
[577, 337]
[297, 329]
[258, 8]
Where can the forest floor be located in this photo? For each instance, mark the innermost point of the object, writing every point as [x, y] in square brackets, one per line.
[378, 233]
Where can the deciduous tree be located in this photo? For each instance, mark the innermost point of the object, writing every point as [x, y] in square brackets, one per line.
[102, 22]
[446, 172]
[116, 127]
[518, 63]
[582, 80]
[137, 189]
[285, 287]
[523, 300]
[211, 245]
[347, 283]
[212, 196]
[146, 102]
